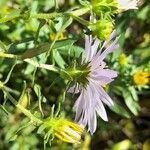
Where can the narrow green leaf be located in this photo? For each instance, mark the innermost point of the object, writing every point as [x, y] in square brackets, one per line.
[133, 93]
[58, 59]
[37, 90]
[120, 110]
[130, 102]
[10, 72]
[44, 47]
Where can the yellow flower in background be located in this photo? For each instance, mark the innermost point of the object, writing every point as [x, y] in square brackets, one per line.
[146, 41]
[141, 78]
[65, 130]
[123, 60]
[52, 36]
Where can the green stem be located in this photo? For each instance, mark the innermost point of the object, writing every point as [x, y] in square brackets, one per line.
[12, 90]
[30, 61]
[45, 15]
[80, 20]
[4, 55]
[80, 11]
[44, 66]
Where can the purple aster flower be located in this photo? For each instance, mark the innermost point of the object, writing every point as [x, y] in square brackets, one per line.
[92, 98]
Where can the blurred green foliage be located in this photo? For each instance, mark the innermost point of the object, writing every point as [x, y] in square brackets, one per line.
[26, 37]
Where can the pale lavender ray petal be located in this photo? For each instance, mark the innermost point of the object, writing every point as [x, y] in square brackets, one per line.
[87, 43]
[88, 48]
[109, 73]
[94, 48]
[102, 95]
[73, 89]
[107, 100]
[95, 66]
[84, 118]
[79, 98]
[112, 36]
[92, 122]
[99, 58]
[89, 96]
[102, 80]
[101, 110]
[113, 46]
[79, 106]
[82, 106]
[88, 110]
[104, 72]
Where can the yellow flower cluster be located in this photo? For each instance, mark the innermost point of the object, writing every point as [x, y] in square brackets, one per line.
[52, 36]
[141, 78]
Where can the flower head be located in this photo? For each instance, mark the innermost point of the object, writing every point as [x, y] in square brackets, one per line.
[141, 78]
[92, 95]
[64, 130]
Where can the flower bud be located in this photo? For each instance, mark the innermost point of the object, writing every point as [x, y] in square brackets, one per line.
[103, 6]
[123, 60]
[64, 130]
[113, 6]
[102, 29]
